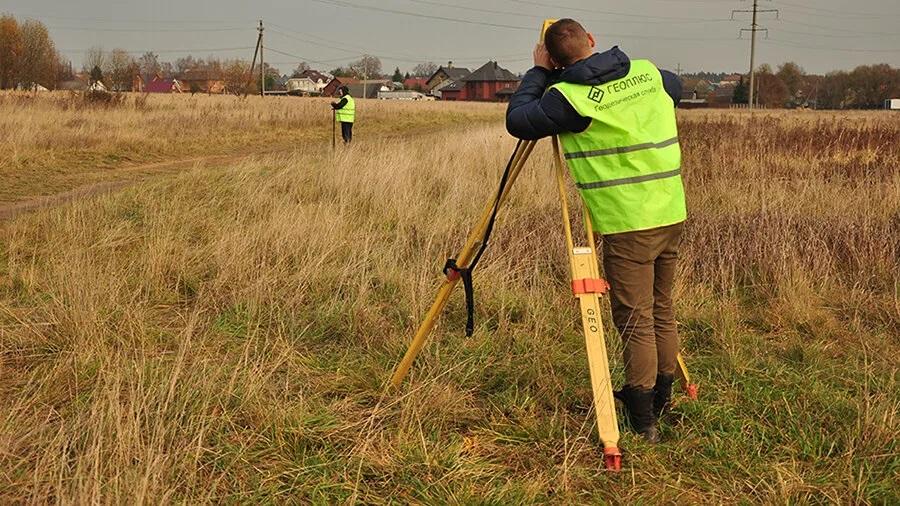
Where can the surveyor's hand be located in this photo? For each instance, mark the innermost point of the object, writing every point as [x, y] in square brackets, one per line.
[542, 57]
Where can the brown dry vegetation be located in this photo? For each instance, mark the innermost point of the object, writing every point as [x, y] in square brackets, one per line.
[224, 335]
[56, 142]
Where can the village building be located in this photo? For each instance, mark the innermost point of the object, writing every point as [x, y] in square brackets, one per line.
[202, 81]
[721, 95]
[302, 86]
[416, 83]
[162, 85]
[445, 75]
[731, 79]
[403, 95]
[331, 88]
[488, 83]
[449, 90]
[370, 88]
[318, 78]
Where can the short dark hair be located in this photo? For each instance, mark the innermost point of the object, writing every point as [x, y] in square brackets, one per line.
[344, 90]
[566, 41]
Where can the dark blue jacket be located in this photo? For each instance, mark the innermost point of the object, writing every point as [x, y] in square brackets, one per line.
[533, 114]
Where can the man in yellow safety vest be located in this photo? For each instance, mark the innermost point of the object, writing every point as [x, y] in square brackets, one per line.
[345, 113]
[615, 118]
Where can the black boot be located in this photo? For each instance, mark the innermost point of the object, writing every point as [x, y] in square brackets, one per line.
[639, 406]
[662, 394]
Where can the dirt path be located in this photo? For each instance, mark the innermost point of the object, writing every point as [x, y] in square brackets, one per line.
[134, 174]
[123, 178]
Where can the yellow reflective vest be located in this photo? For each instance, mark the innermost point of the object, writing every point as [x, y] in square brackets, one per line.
[347, 113]
[627, 163]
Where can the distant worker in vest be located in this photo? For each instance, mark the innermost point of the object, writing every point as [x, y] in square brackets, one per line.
[615, 118]
[345, 113]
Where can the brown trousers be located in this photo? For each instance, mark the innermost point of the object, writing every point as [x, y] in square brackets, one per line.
[640, 268]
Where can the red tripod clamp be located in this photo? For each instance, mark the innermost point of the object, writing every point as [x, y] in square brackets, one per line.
[589, 285]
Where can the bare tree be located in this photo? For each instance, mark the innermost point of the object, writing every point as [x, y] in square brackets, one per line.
[235, 73]
[182, 65]
[149, 63]
[367, 67]
[38, 64]
[301, 68]
[166, 69]
[64, 70]
[10, 51]
[95, 57]
[118, 70]
[424, 69]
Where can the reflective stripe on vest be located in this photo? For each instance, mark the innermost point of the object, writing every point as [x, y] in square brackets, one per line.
[347, 113]
[627, 164]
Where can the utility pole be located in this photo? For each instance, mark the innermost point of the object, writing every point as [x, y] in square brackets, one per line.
[754, 27]
[256, 52]
[678, 70]
[262, 65]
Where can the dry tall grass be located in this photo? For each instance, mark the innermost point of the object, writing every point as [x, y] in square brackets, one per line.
[54, 142]
[224, 335]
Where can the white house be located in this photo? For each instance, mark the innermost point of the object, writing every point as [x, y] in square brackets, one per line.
[302, 86]
[402, 95]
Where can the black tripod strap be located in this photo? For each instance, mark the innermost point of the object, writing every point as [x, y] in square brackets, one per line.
[465, 273]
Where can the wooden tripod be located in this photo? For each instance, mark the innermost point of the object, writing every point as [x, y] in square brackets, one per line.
[587, 286]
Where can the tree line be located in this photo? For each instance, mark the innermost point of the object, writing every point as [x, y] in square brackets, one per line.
[865, 87]
[28, 56]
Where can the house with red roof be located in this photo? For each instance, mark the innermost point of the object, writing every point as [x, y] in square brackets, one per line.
[331, 88]
[488, 83]
[415, 83]
[161, 85]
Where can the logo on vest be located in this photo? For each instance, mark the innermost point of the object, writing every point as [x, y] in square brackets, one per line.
[596, 94]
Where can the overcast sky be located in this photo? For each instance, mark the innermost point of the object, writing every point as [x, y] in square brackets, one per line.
[821, 35]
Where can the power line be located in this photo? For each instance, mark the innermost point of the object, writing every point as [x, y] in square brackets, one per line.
[832, 13]
[136, 21]
[407, 58]
[786, 43]
[340, 3]
[839, 36]
[558, 8]
[212, 50]
[643, 21]
[150, 30]
[835, 29]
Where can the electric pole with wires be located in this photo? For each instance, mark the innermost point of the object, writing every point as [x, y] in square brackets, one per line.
[754, 27]
[257, 51]
[262, 65]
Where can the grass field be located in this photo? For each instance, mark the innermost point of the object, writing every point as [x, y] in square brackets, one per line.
[54, 143]
[223, 333]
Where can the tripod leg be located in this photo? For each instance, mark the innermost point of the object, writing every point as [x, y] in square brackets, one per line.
[585, 261]
[587, 287]
[690, 389]
[520, 156]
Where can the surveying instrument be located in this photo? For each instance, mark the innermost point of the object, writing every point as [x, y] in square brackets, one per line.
[587, 287]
